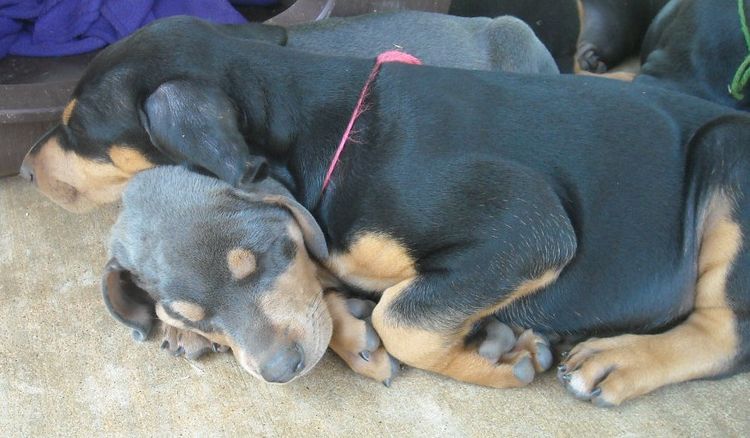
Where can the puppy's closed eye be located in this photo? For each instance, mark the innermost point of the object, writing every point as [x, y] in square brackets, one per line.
[241, 263]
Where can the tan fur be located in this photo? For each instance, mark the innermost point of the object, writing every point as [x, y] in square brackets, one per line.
[703, 346]
[193, 344]
[68, 111]
[624, 76]
[374, 261]
[128, 159]
[189, 311]
[241, 263]
[79, 184]
[349, 339]
[163, 315]
[442, 353]
[288, 304]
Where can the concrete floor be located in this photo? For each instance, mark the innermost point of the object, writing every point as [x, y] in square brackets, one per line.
[67, 368]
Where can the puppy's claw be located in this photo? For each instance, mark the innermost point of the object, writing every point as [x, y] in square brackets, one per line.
[387, 382]
[365, 355]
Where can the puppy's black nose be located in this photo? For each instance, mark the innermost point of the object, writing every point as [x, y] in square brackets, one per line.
[26, 172]
[284, 365]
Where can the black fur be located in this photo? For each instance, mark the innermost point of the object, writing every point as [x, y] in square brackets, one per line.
[696, 46]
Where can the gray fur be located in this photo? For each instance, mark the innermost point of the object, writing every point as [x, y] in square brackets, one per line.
[503, 43]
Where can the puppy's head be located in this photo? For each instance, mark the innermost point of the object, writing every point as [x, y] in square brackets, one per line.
[129, 113]
[231, 266]
[79, 165]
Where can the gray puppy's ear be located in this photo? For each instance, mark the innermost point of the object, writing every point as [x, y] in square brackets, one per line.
[126, 302]
[315, 240]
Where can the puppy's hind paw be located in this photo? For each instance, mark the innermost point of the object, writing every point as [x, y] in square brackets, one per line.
[500, 344]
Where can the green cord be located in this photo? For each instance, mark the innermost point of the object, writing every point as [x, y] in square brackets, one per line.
[742, 77]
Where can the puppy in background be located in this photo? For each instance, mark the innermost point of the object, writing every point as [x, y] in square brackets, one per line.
[503, 43]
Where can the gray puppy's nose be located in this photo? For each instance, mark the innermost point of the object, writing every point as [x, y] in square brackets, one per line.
[284, 365]
[26, 172]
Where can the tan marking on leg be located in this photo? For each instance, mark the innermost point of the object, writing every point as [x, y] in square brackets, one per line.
[374, 262]
[68, 111]
[189, 311]
[241, 263]
[443, 353]
[702, 346]
[129, 160]
[349, 339]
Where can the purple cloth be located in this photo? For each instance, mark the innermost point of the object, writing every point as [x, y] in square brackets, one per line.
[68, 27]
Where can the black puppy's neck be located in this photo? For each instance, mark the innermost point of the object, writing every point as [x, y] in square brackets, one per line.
[296, 112]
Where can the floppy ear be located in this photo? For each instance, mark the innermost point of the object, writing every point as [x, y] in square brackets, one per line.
[126, 302]
[197, 124]
[314, 238]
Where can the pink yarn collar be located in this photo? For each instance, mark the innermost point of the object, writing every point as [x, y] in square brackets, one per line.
[389, 56]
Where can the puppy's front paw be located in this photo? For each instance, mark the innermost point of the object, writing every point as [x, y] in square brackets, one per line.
[180, 342]
[355, 340]
[608, 371]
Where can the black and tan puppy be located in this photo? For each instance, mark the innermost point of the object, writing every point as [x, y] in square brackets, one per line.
[502, 43]
[465, 194]
[696, 47]
[220, 267]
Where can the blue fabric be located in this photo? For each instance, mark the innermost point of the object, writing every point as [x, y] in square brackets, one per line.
[68, 27]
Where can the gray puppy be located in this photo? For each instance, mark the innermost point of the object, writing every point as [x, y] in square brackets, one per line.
[502, 43]
[224, 268]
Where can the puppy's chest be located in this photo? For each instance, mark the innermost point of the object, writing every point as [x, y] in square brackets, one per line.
[373, 262]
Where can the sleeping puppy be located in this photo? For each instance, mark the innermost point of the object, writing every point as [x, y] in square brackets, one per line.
[76, 175]
[503, 43]
[221, 267]
[695, 47]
